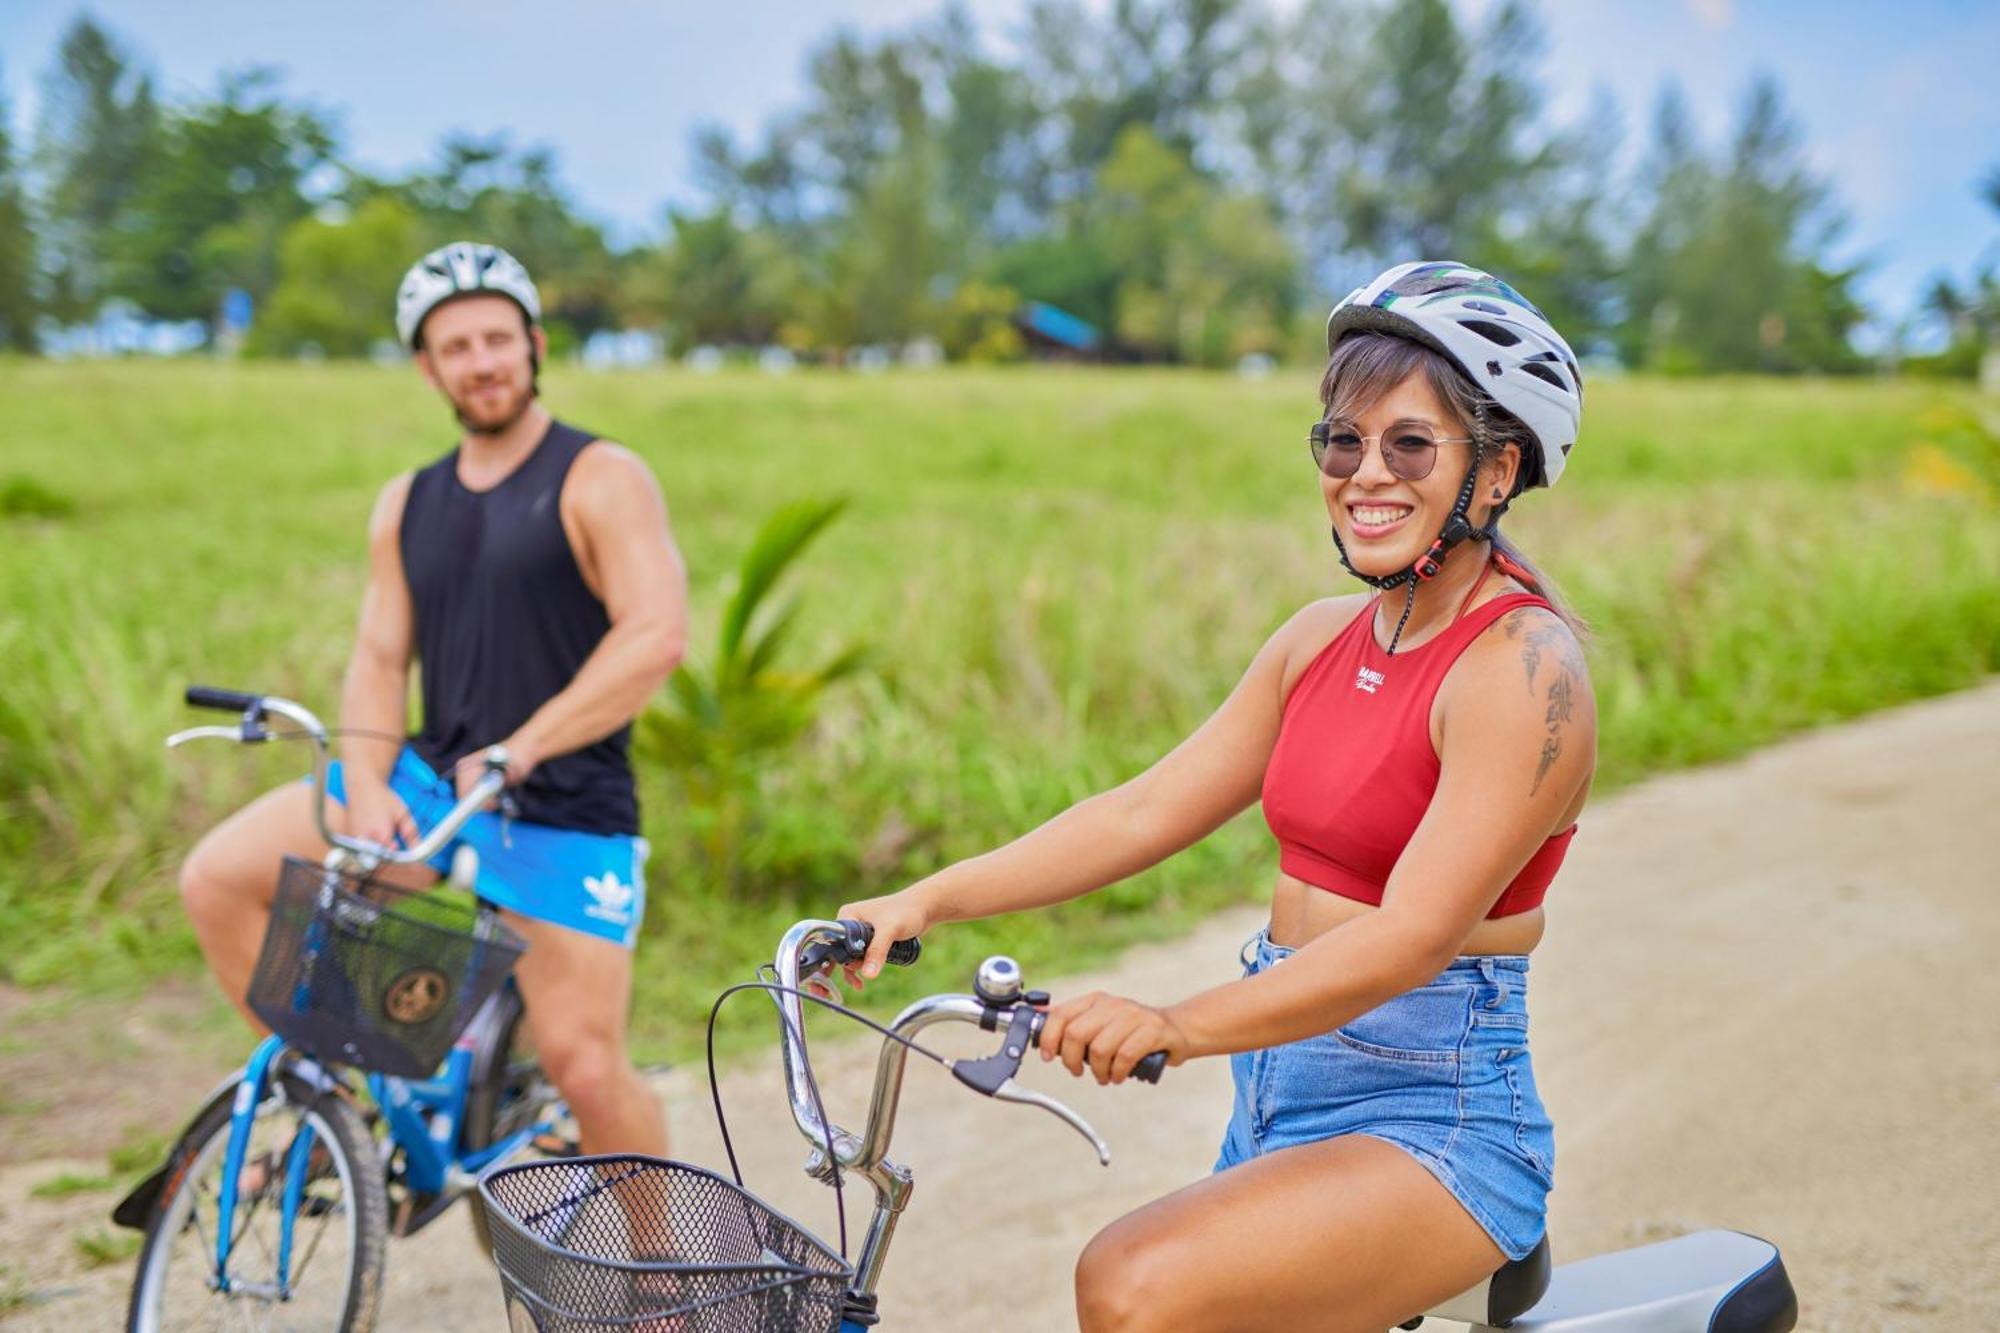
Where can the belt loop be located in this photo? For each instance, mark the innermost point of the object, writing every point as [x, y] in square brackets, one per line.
[1491, 972]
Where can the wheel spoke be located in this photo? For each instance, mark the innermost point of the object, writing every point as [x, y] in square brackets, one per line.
[173, 1290]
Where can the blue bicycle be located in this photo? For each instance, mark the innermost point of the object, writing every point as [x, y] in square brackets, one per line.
[397, 1071]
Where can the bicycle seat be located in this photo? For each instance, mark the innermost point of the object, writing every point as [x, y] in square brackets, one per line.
[1719, 1281]
[1509, 1293]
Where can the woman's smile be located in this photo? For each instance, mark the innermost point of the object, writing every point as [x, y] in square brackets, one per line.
[1373, 519]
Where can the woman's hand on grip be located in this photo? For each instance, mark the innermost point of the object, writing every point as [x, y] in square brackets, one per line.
[1110, 1034]
[895, 916]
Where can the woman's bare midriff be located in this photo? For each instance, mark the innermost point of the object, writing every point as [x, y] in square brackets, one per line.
[1301, 913]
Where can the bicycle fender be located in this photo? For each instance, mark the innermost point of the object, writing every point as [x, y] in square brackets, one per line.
[135, 1210]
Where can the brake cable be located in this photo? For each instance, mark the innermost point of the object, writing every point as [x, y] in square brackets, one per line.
[812, 1080]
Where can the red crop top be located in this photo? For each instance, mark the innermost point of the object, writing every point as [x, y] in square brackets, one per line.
[1353, 770]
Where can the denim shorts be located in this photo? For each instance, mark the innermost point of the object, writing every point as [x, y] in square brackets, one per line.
[1441, 1071]
[590, 882]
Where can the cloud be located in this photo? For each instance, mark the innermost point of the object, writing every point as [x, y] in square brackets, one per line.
[1715, 15]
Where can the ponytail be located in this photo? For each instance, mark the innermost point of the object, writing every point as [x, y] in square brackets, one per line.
[1512, 562]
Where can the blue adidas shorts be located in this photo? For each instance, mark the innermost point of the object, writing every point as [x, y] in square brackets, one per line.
[592, 882]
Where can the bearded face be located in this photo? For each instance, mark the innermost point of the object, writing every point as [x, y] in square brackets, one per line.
[481, 354]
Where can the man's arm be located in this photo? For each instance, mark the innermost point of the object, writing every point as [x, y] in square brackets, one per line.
[375, 696]
[613, 507]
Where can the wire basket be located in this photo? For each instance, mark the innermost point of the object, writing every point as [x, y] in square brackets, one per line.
[361, 973]
[638, 1242]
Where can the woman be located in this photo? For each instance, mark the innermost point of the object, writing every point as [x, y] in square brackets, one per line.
[1421, 759]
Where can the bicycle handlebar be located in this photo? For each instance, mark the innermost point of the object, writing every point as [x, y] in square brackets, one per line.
[254, 709]
[812, 946]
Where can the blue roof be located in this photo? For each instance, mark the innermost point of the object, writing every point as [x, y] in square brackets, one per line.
[1060, 326]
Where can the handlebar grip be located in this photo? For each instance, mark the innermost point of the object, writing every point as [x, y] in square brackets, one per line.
[860, 934]
[227, 701]
[1149, 1069]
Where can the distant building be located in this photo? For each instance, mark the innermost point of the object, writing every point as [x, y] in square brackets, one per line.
[122, 329]
[1052, 332]
[610, 349]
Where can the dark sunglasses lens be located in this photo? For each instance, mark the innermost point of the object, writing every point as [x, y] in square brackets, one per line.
[1337, 448]
[1410, 453]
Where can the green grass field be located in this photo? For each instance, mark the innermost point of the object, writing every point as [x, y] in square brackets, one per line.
[1060, 574]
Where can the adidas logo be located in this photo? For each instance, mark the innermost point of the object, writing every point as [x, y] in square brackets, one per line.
[1364, 679]
[614, 898]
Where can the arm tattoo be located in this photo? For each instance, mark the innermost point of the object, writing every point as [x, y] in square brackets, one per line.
[1551, 748]
[1561, 708]
[1559, 702]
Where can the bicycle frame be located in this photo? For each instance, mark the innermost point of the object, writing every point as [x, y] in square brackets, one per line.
[424, 1117]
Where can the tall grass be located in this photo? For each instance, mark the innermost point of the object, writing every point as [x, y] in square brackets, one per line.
[1059, 574]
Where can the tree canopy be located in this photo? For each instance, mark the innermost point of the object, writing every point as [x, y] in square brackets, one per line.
[1194, 178]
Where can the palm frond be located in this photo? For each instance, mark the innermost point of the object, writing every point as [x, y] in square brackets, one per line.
[781, 540]
[766, 642]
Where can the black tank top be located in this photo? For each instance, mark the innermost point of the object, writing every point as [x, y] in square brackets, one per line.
[504, 620]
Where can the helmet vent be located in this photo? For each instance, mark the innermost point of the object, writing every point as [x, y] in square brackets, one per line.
[1542, 372]
[1492, 332]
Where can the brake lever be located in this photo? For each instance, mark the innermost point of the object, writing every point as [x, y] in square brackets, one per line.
[994, 1076]
[1010, 1091]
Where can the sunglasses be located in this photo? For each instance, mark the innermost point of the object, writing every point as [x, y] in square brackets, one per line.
[1409, 448]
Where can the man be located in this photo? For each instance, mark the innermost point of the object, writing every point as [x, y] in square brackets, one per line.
[532, 572]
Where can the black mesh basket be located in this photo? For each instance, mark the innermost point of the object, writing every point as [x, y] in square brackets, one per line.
[638, 1242]
[360, 973]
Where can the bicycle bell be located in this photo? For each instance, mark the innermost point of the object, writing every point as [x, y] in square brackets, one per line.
[998, 981]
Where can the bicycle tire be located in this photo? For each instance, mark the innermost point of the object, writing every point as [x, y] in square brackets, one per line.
[353, 1159]
[508, 1093]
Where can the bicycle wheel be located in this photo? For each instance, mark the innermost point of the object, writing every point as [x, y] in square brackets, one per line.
[338, 1236]
[508, 1093]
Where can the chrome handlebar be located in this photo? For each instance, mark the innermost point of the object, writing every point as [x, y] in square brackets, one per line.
[250, 730]
[1018, 1016]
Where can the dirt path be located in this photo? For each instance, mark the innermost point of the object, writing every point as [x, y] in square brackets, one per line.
[1767, 1001]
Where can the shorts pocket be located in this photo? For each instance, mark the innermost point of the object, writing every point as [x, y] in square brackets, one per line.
[1421, 1027]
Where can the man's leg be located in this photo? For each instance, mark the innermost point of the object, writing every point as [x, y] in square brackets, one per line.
[228, 881]
[578, 988]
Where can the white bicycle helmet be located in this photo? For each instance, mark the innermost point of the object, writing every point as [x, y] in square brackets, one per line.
[1491, 332]
[458, 269]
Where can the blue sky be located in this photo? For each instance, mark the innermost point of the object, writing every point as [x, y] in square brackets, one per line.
[1897, 100]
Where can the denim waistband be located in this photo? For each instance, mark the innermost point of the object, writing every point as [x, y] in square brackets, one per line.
[1463, 970]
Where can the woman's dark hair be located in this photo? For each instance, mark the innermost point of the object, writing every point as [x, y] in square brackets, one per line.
[1365, 366]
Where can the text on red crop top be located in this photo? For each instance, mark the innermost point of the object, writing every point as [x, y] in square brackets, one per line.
[1354, 771]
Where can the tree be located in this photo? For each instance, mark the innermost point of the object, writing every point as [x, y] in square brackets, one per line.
[1729, 271]
[1444, 139]
[230, 177]
[1556, 247]
[1163, 65]
[96, 149]
[1205, 275]
[338, 280]
[719, 283]
[18, 305]
[1969, 313]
